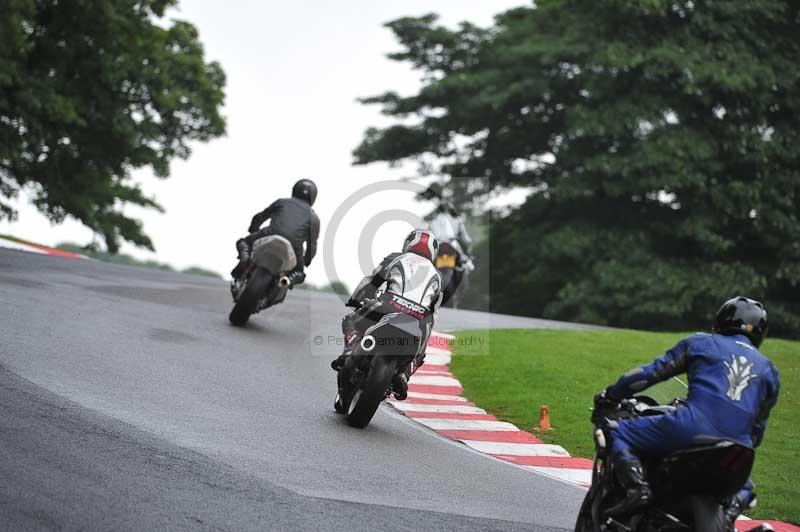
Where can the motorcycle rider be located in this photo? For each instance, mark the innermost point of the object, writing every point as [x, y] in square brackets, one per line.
[292, 218]
[410, 275]
[732, 388]
[447, 225]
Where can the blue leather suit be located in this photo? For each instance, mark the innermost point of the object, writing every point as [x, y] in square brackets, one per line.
[732, 388]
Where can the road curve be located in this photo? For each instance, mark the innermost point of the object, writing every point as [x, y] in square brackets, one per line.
[127, 402]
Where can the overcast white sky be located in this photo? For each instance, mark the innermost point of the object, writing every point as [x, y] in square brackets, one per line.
[294, 72]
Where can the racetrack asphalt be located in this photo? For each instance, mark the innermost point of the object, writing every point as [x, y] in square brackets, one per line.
[128, 402]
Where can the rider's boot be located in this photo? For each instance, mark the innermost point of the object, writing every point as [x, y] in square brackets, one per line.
[638, 495]
[244, 258]
[732, 512]
[296, 277]
[400, 381]
[244, 250]
[743, 500]
[350, 341]
[400, 386]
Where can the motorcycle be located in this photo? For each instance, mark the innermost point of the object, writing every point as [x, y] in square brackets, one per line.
[386, 348]
[690, 487]
[454, 271]
[265, 281]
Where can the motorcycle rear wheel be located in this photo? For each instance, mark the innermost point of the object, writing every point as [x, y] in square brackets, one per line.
[708, 515]
[247, 304]
[371, 392]
[447, 280]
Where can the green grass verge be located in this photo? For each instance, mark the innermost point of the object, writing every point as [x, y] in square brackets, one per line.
[513, 372]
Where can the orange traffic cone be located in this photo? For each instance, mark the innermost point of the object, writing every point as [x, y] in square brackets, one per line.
[544, 418]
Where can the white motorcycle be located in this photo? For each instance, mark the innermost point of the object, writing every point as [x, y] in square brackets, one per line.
[453, 263]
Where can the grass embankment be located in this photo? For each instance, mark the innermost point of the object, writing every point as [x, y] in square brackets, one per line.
[122, 258]
[516, 371]
[18, 240]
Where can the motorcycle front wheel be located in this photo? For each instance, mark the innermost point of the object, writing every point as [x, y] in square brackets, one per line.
[338, 406]
[586, 522]
[247, 304]
[371, 392]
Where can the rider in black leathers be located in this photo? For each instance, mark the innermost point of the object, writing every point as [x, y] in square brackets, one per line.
[292, 218]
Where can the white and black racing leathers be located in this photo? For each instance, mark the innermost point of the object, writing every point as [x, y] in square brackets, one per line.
[411, 277]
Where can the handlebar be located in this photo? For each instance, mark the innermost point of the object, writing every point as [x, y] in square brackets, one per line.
[354, 304]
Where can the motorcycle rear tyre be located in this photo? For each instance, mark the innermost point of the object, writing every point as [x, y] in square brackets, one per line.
[447, 280]
[247, 304]
[708, 515]
[372, 391]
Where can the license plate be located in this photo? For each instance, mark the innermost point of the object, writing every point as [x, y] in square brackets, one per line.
[446, 261]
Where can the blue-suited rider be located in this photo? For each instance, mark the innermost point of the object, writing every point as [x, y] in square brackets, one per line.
[732, 388]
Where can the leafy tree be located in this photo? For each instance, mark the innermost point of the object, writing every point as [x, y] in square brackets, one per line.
[90, 90]
[659, 140]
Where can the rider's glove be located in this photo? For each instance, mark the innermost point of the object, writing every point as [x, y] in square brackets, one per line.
[605, 400]
[469, 265]
[603, 403]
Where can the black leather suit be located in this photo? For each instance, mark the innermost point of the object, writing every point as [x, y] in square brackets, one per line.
[293, 219]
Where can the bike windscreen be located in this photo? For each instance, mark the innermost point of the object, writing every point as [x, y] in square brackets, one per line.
[667, 391]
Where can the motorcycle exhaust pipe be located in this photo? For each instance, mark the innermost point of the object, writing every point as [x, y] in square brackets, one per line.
[284, 282]
[368, 343]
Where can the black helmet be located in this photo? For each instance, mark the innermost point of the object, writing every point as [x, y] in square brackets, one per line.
[742, 315]
[305, 189]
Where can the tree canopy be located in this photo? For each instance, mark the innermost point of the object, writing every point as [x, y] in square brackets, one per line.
[90, 90]
[659, 140]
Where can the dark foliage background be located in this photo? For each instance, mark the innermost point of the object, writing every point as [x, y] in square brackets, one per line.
[659, 139]
[90, 90]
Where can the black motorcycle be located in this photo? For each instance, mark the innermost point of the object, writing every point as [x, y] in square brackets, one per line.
[265, 281]
[690, 487]
[366, 376]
